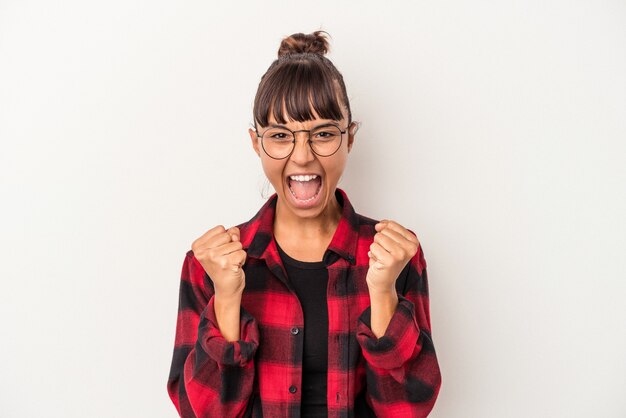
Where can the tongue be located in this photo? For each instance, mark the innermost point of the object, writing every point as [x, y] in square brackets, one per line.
[305, 189]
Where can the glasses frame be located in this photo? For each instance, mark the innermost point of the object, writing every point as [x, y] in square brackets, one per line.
[309, 141]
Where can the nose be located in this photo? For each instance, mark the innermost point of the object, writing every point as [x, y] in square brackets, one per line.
[302, 152]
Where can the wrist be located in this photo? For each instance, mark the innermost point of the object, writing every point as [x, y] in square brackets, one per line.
[382, 291]
[384, 298]
[228, 297]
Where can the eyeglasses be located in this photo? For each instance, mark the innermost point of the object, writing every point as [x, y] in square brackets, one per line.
[279, 142]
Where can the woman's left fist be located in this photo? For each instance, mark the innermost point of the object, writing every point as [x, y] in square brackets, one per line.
[391, 250]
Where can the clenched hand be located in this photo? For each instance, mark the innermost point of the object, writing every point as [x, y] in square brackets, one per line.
[391, 250]
[221, 254]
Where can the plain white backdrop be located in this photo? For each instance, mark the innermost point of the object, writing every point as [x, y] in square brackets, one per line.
[493, 129]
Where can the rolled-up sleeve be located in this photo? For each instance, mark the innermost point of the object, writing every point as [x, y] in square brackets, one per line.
[209, 376]
[223, 352]
[402, 370]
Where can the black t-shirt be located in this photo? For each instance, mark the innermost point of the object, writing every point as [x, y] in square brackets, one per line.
[310, 280]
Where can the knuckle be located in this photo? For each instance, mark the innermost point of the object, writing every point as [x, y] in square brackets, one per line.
[223, 262]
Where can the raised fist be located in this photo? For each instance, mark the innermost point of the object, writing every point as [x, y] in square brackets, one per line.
[221, 254]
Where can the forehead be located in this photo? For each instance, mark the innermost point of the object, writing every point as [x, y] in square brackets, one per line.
[293, 123]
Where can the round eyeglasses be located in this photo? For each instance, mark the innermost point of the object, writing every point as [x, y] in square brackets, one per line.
[279, 142]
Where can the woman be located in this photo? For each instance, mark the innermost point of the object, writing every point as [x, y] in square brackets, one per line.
[309, 308]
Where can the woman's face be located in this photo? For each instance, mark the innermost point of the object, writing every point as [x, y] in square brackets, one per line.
[304, 161]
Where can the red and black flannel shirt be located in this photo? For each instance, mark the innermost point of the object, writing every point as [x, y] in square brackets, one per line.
[396, 375]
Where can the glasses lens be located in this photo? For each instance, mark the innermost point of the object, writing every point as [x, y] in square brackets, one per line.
[277, 142]
[325, 140]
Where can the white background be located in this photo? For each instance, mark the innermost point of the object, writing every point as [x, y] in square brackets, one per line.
[493, 129]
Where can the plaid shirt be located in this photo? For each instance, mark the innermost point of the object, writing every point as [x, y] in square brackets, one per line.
[396, 375]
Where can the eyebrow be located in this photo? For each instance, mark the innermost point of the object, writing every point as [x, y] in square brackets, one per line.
[315, 127]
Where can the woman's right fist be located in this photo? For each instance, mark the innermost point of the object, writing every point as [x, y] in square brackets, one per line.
[221, 254]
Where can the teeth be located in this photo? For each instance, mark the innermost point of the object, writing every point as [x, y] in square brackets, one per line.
[303, 178]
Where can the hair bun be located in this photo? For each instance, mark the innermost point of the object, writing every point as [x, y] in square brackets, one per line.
[298, 43]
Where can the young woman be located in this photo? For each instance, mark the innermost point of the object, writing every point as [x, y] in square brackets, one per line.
[308, 309]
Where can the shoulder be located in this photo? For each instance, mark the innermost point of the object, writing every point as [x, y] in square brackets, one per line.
[367, 231]
[365, 227]
[366, 220]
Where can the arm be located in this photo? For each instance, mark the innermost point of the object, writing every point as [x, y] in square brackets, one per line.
[403, 376]
[383, 306]
[209, 375]
[228, 316]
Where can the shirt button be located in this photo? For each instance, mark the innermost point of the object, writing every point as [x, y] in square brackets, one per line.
[293, 389]
[295, 330]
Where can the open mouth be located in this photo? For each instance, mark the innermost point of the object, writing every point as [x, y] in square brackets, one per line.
[305, 189]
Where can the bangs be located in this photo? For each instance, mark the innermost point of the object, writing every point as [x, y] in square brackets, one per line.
[292, 90]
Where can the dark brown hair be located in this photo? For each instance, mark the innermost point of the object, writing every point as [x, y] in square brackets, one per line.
[301, 79]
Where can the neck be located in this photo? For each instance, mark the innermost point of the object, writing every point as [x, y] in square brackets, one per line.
[287, 223]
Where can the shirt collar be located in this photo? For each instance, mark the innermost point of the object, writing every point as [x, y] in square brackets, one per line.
[257, 236]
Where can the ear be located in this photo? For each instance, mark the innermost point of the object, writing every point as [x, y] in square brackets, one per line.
[352, 128]
[255, 141]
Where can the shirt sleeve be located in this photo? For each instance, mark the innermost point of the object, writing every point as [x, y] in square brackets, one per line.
[209, 376]
[403, 375]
